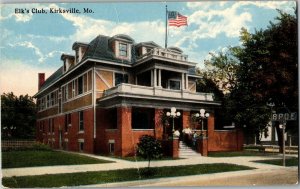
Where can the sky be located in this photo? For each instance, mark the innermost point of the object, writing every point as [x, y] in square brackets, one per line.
[32, 43]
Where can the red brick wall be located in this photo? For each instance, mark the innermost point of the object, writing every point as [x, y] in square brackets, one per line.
[186, 119]
[125, 138]
[230, 140]
[72, 135]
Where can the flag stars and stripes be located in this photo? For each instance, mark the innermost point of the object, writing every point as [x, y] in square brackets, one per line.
[176, 19]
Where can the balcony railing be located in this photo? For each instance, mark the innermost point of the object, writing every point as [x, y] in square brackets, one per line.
[157, 92]
[164, 53]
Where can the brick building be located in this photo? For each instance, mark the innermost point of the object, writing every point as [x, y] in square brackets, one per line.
[114, 90]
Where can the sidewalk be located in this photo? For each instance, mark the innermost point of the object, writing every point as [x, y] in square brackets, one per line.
[123, 164]
[234, 178]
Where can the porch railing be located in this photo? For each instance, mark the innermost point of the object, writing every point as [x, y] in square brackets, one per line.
[164, 53]
[157, 91]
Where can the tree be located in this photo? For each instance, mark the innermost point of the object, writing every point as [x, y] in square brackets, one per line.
[219, 77]
[268, 70]
[266, 67]
[221, 70]
[17, 116]
[149, 148]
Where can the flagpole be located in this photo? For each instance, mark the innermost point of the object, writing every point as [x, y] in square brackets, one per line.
[166, 35]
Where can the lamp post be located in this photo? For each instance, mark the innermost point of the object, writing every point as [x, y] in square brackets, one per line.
[173, 114]
[282, 126]
[202, 116]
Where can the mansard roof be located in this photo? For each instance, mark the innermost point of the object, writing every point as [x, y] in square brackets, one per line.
[54, 77]
[101, 49]
[123, 37]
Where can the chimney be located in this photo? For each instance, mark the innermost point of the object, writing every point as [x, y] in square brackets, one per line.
[41, 80]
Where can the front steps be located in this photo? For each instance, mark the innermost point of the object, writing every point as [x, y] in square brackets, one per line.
[186, 152]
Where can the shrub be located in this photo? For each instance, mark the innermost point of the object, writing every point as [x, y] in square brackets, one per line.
[149, 148]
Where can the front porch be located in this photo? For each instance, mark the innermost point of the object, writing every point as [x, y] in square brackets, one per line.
[125, 89]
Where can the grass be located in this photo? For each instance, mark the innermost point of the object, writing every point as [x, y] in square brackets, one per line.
[102, 177]
[29, 158]
[288, 162]
[138, 158]
[239, 153]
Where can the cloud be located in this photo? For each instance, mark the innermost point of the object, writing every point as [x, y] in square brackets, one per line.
[6, 12]
[42, 57]
[20, 78]
[88, 28]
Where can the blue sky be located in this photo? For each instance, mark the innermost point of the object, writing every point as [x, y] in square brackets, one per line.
[33, 43]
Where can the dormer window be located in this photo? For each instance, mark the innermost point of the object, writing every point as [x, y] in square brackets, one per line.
[123, 49]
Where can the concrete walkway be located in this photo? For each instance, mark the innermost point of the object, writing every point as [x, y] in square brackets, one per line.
[123, 164]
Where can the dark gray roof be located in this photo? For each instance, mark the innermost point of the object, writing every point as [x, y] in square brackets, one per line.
[100, 49]
[55, 76]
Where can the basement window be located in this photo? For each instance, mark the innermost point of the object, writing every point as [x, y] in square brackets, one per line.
[111, 145]
[81, 146]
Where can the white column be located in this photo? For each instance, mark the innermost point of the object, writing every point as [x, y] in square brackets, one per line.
[136, 80]
[159, 77]
[152, 78]
[182, 81]
[186, 82]
[155, 78]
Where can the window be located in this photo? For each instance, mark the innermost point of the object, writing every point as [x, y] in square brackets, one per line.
[43, 103]
[67, 121]
[73, 88]
[80, 85]
[122, 49]
[81, 146]
[51, 125]
[174, 84]
[120, 78]
[142, 118]
[112, 118]
[81, 125]
[52, 100]
[48, 101]
[66, 92]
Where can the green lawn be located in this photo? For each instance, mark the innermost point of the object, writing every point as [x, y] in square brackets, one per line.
[101, 177]
[138, 158]
[29, 158]
[288, 162]
[239, 153]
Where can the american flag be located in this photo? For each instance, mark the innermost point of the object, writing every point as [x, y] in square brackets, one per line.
[176, 19]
